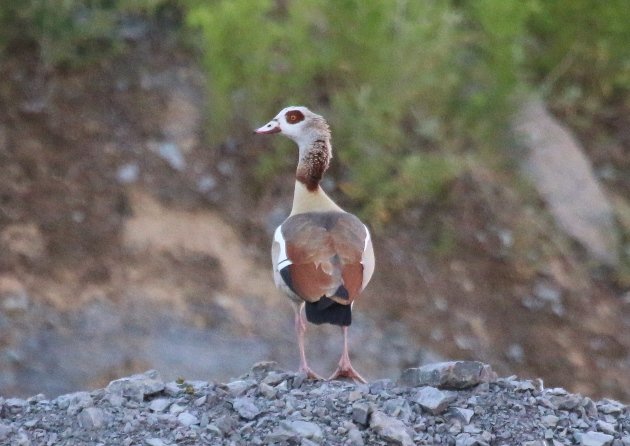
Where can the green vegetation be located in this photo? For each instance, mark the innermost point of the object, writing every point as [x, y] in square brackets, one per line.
[68, 32]
[416, 91]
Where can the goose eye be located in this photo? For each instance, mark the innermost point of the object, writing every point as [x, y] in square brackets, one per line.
[294, 116]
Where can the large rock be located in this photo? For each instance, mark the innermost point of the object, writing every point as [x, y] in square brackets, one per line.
[555, 163]
[448, 375]
[137, 387]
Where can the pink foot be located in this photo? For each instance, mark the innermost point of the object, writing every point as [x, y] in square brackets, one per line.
[349, 373]
[310, 374]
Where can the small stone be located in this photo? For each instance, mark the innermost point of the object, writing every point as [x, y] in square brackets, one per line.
[472, 429]
[566, 402]
[355, 438]
[524, 386]
[354, 395]
[21, 439]
[238, 388]
[206, 183]
[274, 378]
[170, 153]
[606, 428]
[128, 173]
[610, 407]
[390, 429]
[267, 391]
[246, 408]
[595, 439]
[550, 420]
[200, 401]
[380, 385]
[589, 407]
[154, 442]
[92, 418]
[5, 430]
[74, 402]
[449, 375]
[226, 424]
[115, 400]
[280, 435]
[187, 419]
[361, 413]
[159, 404]
[464, 415]
[626, 440]
[467, 439]
[15, 403]
[176, 409]
[305, 429]
[261, 368]
[298, 380]
[171, 388]
[433, 400]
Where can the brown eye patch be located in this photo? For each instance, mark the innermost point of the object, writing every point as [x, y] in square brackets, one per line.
[294, 116]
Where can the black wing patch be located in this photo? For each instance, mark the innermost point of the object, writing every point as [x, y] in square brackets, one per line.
[285, 273]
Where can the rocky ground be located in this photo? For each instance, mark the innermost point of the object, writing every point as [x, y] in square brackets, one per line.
[456, 403]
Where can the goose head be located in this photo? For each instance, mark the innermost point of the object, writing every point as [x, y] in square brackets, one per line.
[299, 124]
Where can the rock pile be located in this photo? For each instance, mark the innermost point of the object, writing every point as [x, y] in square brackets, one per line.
[456, 403]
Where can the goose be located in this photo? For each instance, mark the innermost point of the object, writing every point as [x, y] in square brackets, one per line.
[322, 255]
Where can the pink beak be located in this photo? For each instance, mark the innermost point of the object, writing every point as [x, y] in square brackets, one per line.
[271, 127]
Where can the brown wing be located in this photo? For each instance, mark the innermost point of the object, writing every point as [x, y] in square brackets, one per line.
[325, 251]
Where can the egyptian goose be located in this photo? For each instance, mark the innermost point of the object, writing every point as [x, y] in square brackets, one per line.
[322, 255]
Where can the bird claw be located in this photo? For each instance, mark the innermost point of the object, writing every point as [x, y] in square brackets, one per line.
[310, 374]
[348, 372]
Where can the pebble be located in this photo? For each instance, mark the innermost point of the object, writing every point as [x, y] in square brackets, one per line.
[595, 439]
[93, 418]
[606, 427]
[360, 413]
[239, 387]
[5, 430]
[246, 408]
[267, 391]
[566, 402]
[187, 419]
[550, 420]
[160, 404]
[305, 429]
[611, 407]
[434, 400]
[390, 429]
[465, 415]
[355, 438]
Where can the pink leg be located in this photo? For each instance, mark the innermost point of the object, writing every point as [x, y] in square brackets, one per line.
[345, 369]
[300, 329]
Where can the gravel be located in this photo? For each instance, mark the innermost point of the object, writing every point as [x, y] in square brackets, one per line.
[272, 406]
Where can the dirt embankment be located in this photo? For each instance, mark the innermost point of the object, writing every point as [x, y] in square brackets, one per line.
[129, 242]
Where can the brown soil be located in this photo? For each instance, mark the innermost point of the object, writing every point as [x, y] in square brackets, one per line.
[480, 274]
